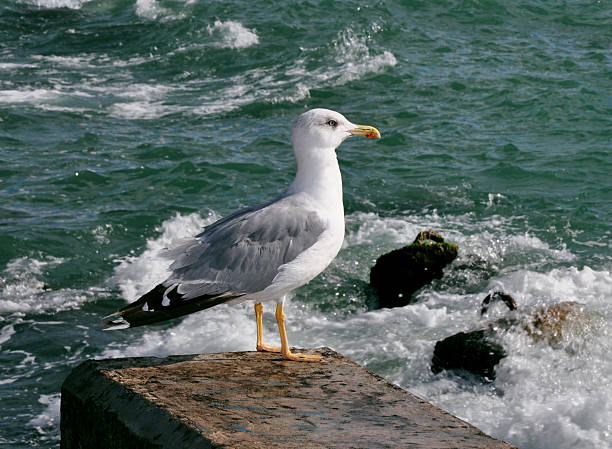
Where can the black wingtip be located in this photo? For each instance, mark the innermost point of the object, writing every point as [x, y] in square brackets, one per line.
[160, 304]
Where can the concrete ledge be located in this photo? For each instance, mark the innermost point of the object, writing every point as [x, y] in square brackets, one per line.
[249, 400]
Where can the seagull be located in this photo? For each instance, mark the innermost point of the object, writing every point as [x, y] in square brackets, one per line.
[264, 252]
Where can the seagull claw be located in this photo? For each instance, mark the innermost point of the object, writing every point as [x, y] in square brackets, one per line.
[299, 357]
[265, 348]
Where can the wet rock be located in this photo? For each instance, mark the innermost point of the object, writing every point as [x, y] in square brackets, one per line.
[249, 400]
[476, 352]
[399, 273]
[553, 324]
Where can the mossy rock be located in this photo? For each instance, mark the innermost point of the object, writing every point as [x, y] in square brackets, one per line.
[401, 272]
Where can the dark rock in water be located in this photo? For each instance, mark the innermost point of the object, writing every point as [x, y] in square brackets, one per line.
[476, 352]
[399, 273]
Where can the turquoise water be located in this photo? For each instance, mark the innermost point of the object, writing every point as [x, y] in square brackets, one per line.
[126, 125]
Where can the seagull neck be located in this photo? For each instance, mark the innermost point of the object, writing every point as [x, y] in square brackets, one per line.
[318, 174]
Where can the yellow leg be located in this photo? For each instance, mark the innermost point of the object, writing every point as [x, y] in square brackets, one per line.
[285, 349]
[260, 344]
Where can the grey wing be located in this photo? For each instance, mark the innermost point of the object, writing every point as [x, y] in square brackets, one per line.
[242, 253]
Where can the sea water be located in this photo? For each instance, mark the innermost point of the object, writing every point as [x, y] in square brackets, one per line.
[127, 125]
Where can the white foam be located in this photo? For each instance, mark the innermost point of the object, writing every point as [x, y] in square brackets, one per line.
[229, 98]
[354, 55]
[368, 228]
[585, 286]
[148, 101]
[128, 62]
[27, 270]
[149, 9]
[53, 4]
[23, 290]
[6, 333]
[9, 66]
[141, 110]
[143, 91]
[491, 240]
[47, 422]
[152, 10]
[220, 329]
[101, 233]
[28, 95]
[494, 199]
[80, 62]
[242, 89]
[233, 34]
[353, 59]
[54, 108]
[42, 98]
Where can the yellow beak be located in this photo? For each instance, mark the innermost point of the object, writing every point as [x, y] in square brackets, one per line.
[365, 131]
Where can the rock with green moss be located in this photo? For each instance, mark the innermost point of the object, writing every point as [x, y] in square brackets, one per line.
[401, 272]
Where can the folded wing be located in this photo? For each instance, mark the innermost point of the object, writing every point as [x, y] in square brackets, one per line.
[235, 256]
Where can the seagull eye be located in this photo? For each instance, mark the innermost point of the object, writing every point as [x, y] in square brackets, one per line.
[332, 123]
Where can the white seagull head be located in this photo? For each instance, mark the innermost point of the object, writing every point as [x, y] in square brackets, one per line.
[323, 129]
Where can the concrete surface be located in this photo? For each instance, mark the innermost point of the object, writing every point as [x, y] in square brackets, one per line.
[250, 400]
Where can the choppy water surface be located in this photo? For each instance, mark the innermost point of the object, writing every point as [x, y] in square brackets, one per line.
[126, 125]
